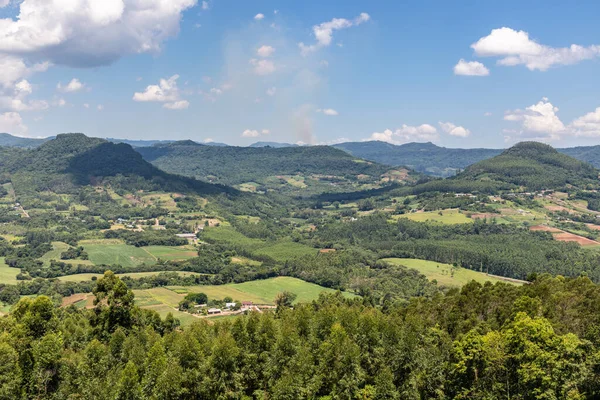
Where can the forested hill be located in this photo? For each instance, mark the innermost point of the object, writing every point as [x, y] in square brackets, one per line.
[71, 160]
[236, 165]
[422, 157]
[441, 161]
[534, 166]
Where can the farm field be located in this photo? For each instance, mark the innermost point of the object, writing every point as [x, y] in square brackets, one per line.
[112, 251]
[442, 273]
[228, 234]
[172, 253]
[261, 291]
[281, 250]
[563, 236]
[57, 249]
[8, 275]
[286, 250]
[448, 217]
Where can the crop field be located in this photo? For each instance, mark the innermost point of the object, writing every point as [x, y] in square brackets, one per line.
[172, 253]
[8, 275]
[261, 291]
[286, 250]
[57, 249]
[281, 250]
[112, 252]
[229, 235]
[446, 217]
[563, 236]
[445, 274]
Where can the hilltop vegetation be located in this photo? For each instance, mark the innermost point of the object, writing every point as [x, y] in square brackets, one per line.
[70, 161]
[261, 166]
[422, 157]
[528, 166]
[534, 166]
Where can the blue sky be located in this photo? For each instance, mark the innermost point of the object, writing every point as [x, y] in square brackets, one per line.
[235, 72]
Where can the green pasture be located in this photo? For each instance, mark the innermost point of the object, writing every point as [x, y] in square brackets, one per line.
[444, 274]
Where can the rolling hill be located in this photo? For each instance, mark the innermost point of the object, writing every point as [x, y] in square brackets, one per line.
[69, 161]
[238, 165]
[533, 166]
[441, 161]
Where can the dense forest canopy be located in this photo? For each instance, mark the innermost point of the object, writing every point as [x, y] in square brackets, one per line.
[491, 341]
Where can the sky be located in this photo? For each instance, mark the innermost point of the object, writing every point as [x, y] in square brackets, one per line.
[459, 74]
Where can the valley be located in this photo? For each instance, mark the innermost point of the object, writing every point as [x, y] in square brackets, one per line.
[187, 237]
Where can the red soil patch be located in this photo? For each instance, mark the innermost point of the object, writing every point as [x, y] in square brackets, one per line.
[594, 227]
[67, 301]
[565, 236]
[569, 237]
[327, 251]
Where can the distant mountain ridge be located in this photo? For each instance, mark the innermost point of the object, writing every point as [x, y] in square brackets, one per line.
[422, 157]
[426, 158]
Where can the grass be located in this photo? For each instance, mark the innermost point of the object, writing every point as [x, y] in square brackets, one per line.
[228, 234]
[57, 249]
[286, 250]
[281, 250]
[172, 253]
[261, 291]
[163, 310]
[444, 274]
[8, 275]
[447, 217]
[116, 252]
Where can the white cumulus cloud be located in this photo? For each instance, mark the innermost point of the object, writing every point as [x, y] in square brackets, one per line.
[252, 133]
[517, 48]
[87, 33]
[263, 67]
[74, 85]
[539, 121]
[11, 122]
[259, 17]
[470, 68]
[177, 105]
[406, 133]
[454, 130]
[324, 32]
[165, 91]
[265, 51]
[328, 111]
[587, 125]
